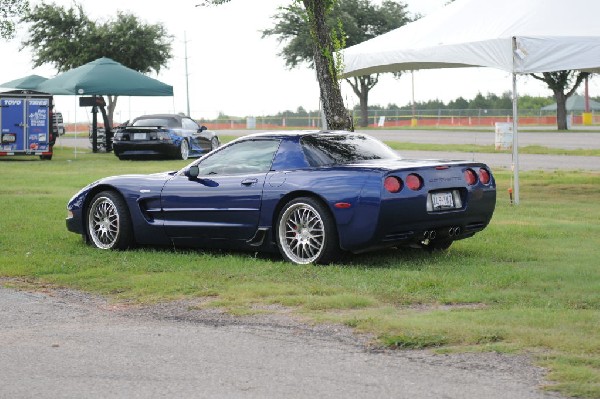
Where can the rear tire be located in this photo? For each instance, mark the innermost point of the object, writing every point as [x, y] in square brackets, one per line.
[214, 143]
[108, 222]
[306, 232]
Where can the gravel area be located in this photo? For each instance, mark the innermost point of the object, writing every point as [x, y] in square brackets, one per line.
[62, 343]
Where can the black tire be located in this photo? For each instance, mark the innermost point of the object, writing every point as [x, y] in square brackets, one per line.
[46, 157]
[184, 150]
[108, 222]
[214, 143]
[306, 232]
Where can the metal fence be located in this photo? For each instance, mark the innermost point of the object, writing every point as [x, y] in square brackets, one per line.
[442, 118]
[401, 118]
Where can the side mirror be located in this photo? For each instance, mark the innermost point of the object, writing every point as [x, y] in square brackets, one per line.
[202, 128]
[192, 172]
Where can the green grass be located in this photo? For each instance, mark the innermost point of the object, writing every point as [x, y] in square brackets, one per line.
[529, 283]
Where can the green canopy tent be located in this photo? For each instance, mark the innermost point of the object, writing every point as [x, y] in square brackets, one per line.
[104, 76]
[575, 103]
[30, 82]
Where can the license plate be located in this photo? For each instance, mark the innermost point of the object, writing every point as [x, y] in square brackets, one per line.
[139, 136]
[442, 201]
[9, 138]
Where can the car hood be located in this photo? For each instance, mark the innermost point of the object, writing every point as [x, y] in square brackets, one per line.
[153, 177]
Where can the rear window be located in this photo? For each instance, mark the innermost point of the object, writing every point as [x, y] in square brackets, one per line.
[164, 122]
[336, 149]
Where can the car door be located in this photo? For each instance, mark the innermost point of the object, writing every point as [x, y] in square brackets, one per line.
[224, 201]
[198, 142]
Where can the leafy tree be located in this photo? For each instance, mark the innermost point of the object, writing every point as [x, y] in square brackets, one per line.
[529, 102]
[479, 102]
[559, 83]
[504, 102]
[10, 11]
[360, 20]
[459, 103]
[56, 36]
[326, 41]
[66, 38]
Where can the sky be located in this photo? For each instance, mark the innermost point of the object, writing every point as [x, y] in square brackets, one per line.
[232, 70]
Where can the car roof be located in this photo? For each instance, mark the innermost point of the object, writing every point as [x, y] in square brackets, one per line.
[298, 133]
[161, 116]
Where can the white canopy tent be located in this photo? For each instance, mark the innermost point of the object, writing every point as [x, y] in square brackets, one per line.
[517, 36]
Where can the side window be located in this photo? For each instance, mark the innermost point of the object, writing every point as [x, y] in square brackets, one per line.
[250, 156]
[189, 124]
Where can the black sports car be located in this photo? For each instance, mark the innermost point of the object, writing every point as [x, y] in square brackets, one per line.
[163, 135]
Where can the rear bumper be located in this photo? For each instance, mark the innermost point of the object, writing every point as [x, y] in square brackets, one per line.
[145, 148]
[407, 222]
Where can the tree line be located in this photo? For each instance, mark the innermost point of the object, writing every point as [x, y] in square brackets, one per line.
[490, 101]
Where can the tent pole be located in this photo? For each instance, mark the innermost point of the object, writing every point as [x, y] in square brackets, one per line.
[515, 163]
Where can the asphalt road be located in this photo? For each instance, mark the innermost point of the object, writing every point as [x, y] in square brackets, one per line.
[64, 344]
[570, 140]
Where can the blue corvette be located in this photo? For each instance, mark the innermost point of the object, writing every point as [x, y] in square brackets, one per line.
[308, 195]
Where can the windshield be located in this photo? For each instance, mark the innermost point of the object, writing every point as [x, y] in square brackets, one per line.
[335, 149]
[165, 122]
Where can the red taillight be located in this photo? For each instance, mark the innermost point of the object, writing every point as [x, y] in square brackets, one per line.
[484, 176]
[414, 182]
[392, 184]
[470, 177]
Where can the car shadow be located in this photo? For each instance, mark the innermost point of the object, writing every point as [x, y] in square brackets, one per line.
[404, 258]
[388, 258]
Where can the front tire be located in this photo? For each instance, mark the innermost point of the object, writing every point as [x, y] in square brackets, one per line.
[184, 150]
[108, 222]
[306, 232]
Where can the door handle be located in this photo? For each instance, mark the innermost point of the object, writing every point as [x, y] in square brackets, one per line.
[249, 182]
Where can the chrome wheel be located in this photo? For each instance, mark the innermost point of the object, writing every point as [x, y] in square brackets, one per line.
[306, 232]
[108, 222]
[214, 143]
[184, 149]
[103, 223]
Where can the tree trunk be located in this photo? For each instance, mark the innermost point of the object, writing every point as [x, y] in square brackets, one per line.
[561, 110]
[336, 115]
[361, 86]
[559, 82]
[364, 108]
[112, 104]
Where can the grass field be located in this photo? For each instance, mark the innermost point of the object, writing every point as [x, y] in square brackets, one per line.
[529, 283]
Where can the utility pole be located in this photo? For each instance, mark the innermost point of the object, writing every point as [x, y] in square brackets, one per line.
[187, 87]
